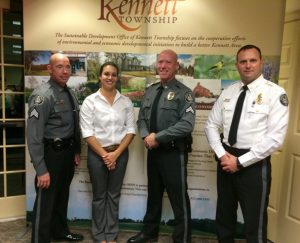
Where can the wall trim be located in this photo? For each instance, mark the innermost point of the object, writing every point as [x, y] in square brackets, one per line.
[292, 16]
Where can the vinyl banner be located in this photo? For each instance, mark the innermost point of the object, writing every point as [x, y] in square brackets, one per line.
[206, 34]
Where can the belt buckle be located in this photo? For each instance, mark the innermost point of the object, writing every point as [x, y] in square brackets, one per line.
[58, 144]
[111, 148]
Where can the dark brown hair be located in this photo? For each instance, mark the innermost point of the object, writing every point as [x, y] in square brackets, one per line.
[108, 64]
[247, 47]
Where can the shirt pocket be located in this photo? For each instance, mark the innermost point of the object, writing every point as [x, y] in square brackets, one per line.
[170, 112]
[258, 114]
[228, 110]
[62, 114]
[147, 109]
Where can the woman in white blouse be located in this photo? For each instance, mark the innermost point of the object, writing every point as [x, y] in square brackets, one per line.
[108, 126]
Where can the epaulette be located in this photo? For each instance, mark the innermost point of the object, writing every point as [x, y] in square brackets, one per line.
[152, 84]
[233, 83]
[270, 83]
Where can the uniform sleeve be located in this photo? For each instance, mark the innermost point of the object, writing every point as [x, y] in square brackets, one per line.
[86, 118]
[277, 126]
[142, 119]
[213, 127]
[77, 126]
[130, 121]
[38, 114]
[184, 125]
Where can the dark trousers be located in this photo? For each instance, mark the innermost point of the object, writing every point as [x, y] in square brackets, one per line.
[251, 188]
[167, 170]
[51, 205]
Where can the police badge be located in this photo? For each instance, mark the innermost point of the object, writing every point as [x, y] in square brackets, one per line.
[171, 96]
[259, 99]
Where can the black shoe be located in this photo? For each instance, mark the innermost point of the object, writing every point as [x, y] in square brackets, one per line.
[142, 238]
[70, 237]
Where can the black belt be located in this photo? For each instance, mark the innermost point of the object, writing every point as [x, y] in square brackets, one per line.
[59, 144]
[235, 151]
[239, 152]
[178, 144]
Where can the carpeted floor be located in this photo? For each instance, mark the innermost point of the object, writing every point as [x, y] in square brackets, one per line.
[18, 231]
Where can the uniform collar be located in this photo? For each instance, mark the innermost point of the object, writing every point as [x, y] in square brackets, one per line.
[55, 85]
[170, 84]
[254, 83]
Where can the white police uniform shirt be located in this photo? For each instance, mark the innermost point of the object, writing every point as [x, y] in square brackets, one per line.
[263, 121]
[108, 123]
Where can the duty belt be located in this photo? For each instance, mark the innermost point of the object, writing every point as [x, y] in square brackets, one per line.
[59, 144]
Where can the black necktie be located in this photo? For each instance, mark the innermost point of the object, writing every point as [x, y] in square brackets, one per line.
[76, 120]
[236, 117]
[153, 118]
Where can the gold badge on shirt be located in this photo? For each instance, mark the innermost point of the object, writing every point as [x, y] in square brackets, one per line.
[259, 99]
[171, 96]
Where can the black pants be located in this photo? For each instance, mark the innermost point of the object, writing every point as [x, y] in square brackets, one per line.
[167, 170]
[51, 205]
[251, 188]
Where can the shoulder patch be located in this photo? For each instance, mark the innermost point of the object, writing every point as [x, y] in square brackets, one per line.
[189, 97]
[39, 100]
[284, 100]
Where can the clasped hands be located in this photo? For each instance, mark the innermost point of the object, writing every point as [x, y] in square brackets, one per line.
[110, 160]
[150, 141]
[229, 163]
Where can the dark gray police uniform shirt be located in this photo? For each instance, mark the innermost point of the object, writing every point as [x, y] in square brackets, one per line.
[175, 112]
[50, 115]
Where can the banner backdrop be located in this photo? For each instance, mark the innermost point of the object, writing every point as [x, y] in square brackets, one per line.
[205, 33]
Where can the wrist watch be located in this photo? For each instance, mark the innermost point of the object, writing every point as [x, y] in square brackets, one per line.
[238, 164]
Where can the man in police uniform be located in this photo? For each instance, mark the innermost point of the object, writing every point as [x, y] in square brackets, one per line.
[244, 169]
[166, 120]
[54, 146]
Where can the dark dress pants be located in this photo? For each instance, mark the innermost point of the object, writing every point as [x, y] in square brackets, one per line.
[51, 205]
[251, 188]
[167, 170]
